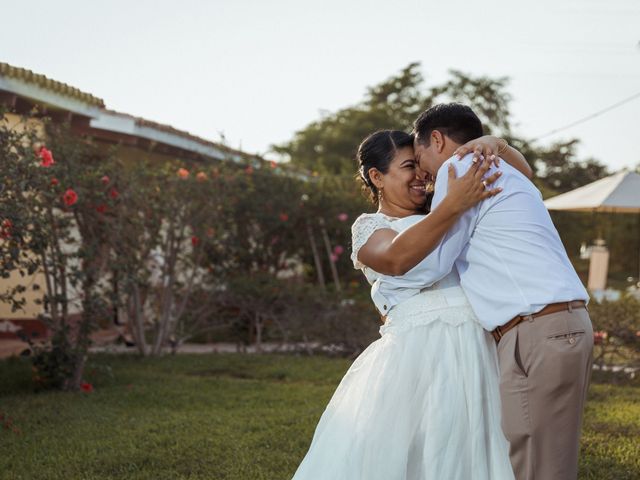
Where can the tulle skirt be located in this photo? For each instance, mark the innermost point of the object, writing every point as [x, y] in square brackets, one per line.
[421, 402]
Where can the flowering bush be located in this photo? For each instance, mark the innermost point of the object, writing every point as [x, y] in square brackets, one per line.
[616, 330]
[51, 227]
[151, 243]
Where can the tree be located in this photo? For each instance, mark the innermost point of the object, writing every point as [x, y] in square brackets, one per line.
[329, 144]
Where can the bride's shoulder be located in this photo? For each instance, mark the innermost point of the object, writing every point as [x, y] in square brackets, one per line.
[366, 219]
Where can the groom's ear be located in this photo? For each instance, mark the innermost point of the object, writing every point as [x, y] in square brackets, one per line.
[437, 140]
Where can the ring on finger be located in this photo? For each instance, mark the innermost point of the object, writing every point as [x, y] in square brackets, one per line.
[486, 185]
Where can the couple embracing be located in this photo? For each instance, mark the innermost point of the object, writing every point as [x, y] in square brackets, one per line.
[484, 358]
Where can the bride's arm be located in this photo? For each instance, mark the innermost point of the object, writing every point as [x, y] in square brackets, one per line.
[498, 147]
[390, 253]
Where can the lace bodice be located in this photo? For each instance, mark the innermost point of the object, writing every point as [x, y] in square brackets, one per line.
[364, 226]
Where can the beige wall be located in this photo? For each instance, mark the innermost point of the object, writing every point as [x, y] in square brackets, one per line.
[31, 309]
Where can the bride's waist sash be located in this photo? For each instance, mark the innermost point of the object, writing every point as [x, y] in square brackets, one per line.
[449, 305]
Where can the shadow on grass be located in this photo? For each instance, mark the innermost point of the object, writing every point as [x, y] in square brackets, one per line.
[15, 373]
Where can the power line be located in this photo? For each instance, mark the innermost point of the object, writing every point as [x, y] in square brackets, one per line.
[589, 117]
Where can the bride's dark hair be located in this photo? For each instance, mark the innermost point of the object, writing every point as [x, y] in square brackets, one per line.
[377, 151]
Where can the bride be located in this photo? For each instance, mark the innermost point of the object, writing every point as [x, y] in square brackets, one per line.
[422, 401]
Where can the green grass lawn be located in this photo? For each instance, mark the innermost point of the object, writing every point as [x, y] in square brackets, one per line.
[232, 417]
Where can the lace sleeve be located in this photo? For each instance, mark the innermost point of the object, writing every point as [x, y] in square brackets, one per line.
[361, 230]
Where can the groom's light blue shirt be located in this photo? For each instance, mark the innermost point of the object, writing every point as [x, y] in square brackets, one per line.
[506, 249]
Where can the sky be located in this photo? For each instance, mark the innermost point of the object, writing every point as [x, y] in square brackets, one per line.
[258, 71]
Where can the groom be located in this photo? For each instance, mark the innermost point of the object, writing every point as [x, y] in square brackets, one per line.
[523, 289]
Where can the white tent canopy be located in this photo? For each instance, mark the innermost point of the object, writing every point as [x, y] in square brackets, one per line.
[619, 192]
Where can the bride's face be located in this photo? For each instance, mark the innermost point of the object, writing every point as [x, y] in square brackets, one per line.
[404, 183]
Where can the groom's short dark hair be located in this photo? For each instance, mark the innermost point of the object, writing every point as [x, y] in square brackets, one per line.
[455, 120]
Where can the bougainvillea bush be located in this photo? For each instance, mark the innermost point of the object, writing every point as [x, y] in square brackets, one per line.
[169, 248]
[50, 209]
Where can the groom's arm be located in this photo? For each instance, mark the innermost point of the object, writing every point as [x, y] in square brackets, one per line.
[440, 261]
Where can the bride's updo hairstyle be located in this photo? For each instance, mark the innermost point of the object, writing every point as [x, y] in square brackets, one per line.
[377, 151]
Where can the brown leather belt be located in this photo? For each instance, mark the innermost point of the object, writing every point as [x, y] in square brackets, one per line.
[499, 332]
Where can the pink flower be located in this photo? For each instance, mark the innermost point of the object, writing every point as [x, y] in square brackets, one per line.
[70, 197]
[599, 337]
[105, 180]
[338, 250]
[183, 172]
[86, 387]
[46, 157]
[333, 257]
[343, 217]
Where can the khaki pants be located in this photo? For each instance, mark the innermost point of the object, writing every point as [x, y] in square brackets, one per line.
[545, 367]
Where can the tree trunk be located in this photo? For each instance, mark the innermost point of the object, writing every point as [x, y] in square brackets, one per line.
[316, 256]
[258, 327]
[136, 321]
[327, 244]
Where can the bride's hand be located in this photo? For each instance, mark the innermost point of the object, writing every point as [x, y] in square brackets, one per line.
[487, 147]
[471, 188]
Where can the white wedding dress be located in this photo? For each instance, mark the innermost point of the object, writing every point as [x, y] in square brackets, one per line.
[422, 401]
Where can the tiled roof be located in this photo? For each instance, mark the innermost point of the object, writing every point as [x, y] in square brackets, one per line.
[117, 122]
[45, 82]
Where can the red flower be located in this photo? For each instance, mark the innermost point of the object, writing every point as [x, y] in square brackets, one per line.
[284, 217]
[195, 241]
[86, 387]
[46, 157]
[54, 181]
[5, 228]
[273, 164]
[113, 193]
[70, 197]
[105, 180]
[183, 172]
[101, 208]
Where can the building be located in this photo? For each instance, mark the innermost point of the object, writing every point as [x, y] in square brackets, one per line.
[21, 90]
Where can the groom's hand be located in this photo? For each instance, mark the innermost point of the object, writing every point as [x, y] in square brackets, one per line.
[472, 187]
[487, 147]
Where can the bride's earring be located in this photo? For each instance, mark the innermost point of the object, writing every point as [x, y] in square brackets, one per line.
[381, 194]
